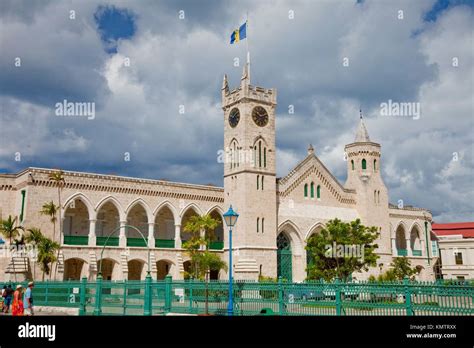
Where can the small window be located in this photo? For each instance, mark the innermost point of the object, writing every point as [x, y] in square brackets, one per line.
[262, 182]
[462, 278]
[265, 157]
[352, 163]
[260, 154]
[458, 258]
[258, 223]
[263, 225]
[375, 165]
[258, 180]
[364, 164]
[318, 192]
[306, 190]
[312, 190]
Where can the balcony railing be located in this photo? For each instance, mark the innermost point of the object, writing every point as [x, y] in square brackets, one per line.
[136, 242]
[113, 241]
[164, 243]
[216, 245]
[416, 252]
[76, 240]
[402, 252]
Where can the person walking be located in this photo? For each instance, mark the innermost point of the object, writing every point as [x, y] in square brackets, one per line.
[8, 294]
[28, 299]
[17, 307]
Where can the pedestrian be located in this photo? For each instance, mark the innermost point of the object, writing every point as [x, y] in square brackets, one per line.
[28, 299]
[4, 290]
[17, 307]
[8, 298]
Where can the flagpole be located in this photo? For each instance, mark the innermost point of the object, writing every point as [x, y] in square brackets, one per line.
[247, 43]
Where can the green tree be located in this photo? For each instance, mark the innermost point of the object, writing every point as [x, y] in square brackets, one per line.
[328, 257]
[201, 229]
[9, 229]
[50, 209]
[401, 268]
[34, 236]
[47, 250]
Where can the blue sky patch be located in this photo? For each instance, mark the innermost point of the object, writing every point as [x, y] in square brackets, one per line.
[114, 24]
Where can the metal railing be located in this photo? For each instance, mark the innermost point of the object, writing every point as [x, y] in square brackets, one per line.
[159, 297]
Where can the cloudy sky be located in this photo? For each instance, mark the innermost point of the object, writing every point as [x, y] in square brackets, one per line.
[326, 58]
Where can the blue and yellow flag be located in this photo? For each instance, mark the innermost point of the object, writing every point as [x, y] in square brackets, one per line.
[239, 34]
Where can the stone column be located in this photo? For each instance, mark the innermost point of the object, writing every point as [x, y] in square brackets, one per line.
[122, 236]
[409, 253]
[92, 236]
[177, 236]
[394, 247]
[151, 235]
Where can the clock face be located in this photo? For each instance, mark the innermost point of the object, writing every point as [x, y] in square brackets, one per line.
[234, 117]
[260, 116]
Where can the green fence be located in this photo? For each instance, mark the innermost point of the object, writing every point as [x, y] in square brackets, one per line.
[151, 297]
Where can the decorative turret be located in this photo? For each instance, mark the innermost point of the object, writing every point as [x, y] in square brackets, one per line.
[225, 87]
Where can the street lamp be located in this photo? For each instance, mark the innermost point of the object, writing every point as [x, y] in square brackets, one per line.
[230, 218]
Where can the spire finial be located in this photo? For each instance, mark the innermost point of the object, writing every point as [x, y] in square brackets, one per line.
[360, 112]
[310, 149]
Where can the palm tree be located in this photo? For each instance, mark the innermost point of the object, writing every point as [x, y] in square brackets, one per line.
[51, 210]
[34, 236]
[9, 229]
[58, 178]
[47, 250]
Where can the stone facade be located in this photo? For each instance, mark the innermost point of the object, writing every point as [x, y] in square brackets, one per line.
[95, 206]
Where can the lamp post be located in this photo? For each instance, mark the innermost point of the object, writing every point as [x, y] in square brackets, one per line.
[230, 218]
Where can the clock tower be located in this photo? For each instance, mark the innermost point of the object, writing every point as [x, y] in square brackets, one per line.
[250, 176]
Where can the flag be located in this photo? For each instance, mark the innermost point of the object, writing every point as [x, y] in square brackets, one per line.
[239, 34]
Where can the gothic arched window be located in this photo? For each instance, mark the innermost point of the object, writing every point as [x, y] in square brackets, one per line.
[364, 164]
[375, 165]
[318, 192]
[312, 190]
[306, 190]
[352, 162]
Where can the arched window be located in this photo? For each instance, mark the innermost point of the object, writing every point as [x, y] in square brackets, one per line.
[265, 157]
[364, 164]
[258, 179]
[263, 225]
[262, 182]
[378, 197]
[375, 196]
[375, 165]
[255, 156]
[306, 190]
[312, 190]
[318, 192]
[352, 162]
[258, 222]
[259, 153]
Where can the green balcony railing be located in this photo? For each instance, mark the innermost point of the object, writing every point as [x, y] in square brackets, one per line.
[136, 242]
[164, 243]
[113, 241]
[76, 240]
[402, 252]
[416, 252]
[216, 245]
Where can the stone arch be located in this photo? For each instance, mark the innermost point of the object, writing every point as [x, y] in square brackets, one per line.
[145, 206]
[170, 207]
[401, 239]
[415, 237]
[113, 201]
[190, 210]
[137, 269]
[76, 222]
[294, 234]
[110, 269]
[75, 268]
[258, 138]
[164, 267]
[84, 199]
[318, 226]
[218, 241]
[109, 217]
[138, 217]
